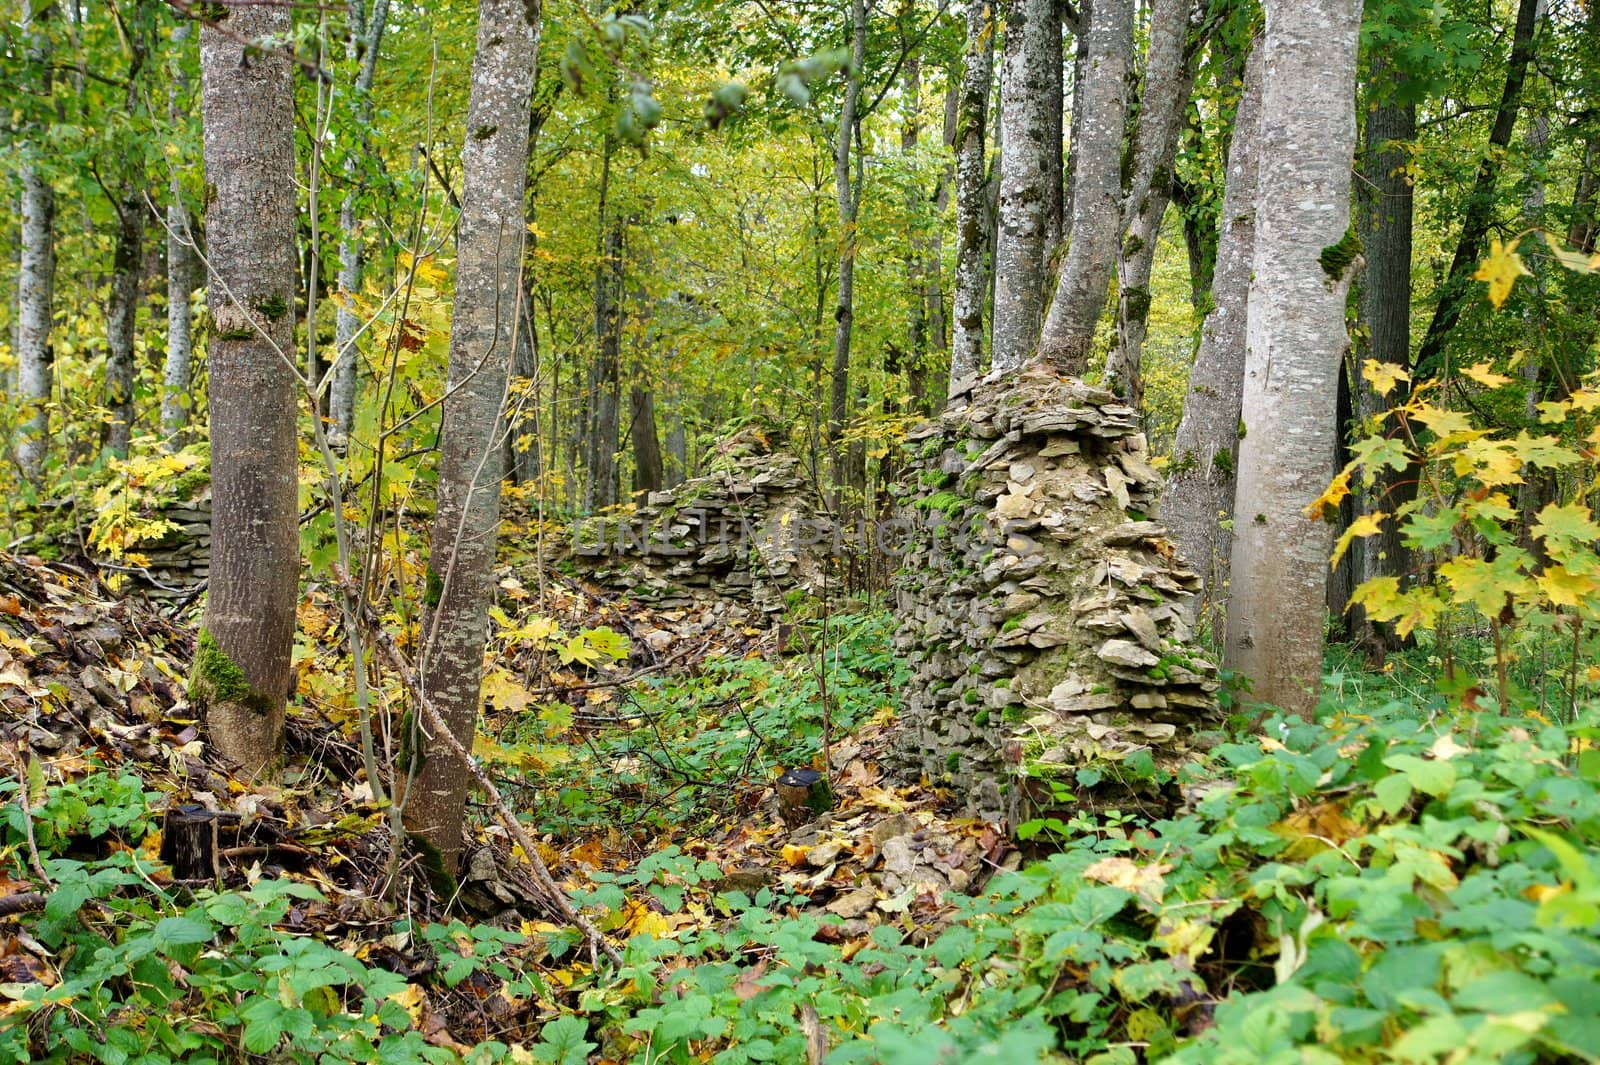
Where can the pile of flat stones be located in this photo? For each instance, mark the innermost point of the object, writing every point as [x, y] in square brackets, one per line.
[180, 561]
[745, 534]
[1044, 615]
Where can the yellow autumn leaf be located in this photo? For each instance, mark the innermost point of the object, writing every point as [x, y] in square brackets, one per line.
[411, 997]
[1500, 269]
[1383, 376]
[1482, 373]
[1365, 525]
[1493, 462]
[1445, 424]
[1563, 587]
[1576, 261]
[794, 854]
[1326, 506]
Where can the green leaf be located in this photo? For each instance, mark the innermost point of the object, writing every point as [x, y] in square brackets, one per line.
[1430, 778]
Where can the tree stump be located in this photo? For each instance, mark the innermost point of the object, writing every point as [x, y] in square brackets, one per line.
[189, 843]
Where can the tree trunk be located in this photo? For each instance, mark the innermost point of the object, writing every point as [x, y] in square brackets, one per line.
[1096, 189]
[1055, 217]
[488, 272]
[648, 472]
[1479, 212]
[1019, 263]
[605, 438]
[847, 193]
[918, 238]
[933, 268]
[242, 670]
[1198, 500]
[366, 36]
[1167, 81]
[971, 291]
[126, 263]
[1384, 211]
[178, 373]
[1296, 338]
[37, 272]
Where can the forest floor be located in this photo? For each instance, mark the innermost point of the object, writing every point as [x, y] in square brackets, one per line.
[1398, 882]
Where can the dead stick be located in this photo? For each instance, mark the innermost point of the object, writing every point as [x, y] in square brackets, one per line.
[25, 801]
[441, 731]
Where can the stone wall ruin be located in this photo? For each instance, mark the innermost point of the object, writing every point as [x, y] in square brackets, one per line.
[1044, 614]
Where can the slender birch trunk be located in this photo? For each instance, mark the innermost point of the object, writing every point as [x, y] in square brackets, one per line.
[1100, 112]
[971, 288]
[482, 335]
[1019, 263]
[242, 672]
[1296, 335]
[366, 36]
[847, 193]
[178, 373]
[1197, 503]
[1167, 81]
[36, 273]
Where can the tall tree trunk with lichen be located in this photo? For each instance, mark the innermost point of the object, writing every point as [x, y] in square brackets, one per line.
[247, 101]
[37, 268]
[482, 328]
[1296, 338]
[972, 118]
[178, 373]
[1167, 80]
[1023, 223]
[1197, 503]
[1096, 188]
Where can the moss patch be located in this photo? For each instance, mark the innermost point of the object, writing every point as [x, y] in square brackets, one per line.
[216, 678]
[1336, 258]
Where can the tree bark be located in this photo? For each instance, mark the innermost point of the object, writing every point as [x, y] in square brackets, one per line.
[1479, 214]
[242, 671]
[1384, 215]
[488, 272]
[366, 37]
[1023, 225]
[1296, 339]
[971, 288]
[36, 273]
[847, 193]
[606, 437]
[1167, 81]
[126, 263]
[1096, 189]
[648, 472]
[1197, 502]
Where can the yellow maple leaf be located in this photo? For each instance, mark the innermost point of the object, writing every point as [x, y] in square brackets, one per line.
[1563, 587]
[1500, 269]
[1365, 525]
[1482, 373]
[1326, 506]
[1383, 376]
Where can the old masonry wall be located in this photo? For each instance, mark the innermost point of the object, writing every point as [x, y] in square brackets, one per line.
[1044, 614]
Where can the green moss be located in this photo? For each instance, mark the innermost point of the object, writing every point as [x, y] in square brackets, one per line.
[1138, 300]
[237, 334]
[1132, 246]
[1012, 715]
[216, 678]
[952, 762]
[1012, 624]
[1336, 258]
[970, 697]
[433, 587]
[1224, 462]
[981, 718]
[1242, 429]
[442, 880]
[272, 307]
[483, 133]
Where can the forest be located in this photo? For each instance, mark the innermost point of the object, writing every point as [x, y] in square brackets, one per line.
[800, 531]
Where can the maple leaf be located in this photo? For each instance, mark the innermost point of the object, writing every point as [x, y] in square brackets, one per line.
[1365, 525]
[1563, 587]
[1383, 376]
[1500, 269]
[1482, 373]
[1493, 462]
[1570, 524]
[1326, 506]
[1576, 261]
[1445, 423]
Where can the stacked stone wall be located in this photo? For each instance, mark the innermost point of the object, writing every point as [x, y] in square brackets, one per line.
[1044, 614]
